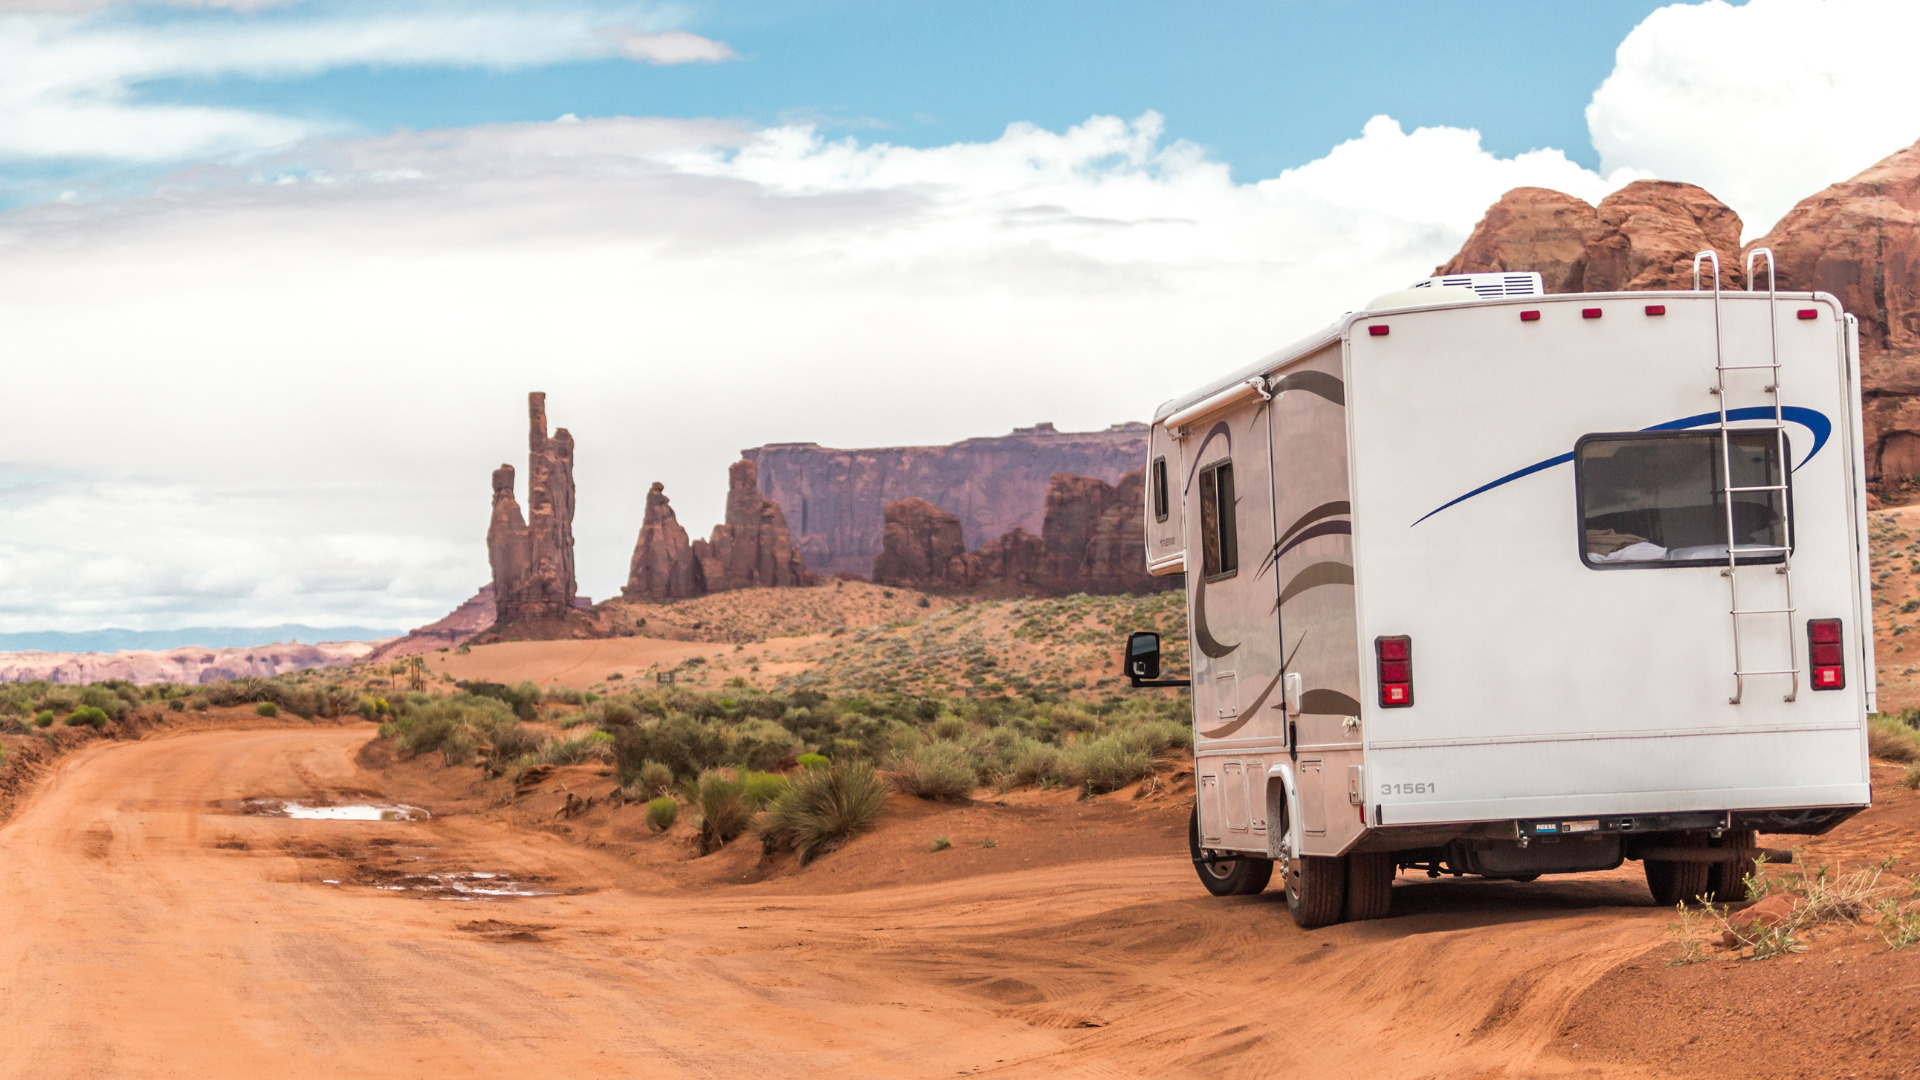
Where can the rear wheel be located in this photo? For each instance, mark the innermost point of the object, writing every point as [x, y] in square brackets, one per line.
[1316, 890]
[1677, 882]
[1727, 882]
[1243, 875]
[1369, 885]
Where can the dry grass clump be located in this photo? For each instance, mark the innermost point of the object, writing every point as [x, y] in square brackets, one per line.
[822, 808]
[1819, 898]
[578, 750]
[724, 809]
[1892, 738]
[662, 813]
[936, 770]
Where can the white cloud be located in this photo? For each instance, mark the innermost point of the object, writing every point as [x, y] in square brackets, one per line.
[680, 289]
[69, 82]
[1762, 104]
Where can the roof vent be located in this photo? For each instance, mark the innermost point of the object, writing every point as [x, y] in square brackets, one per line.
[1489, 286]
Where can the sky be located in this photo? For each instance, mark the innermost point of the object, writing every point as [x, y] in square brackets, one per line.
[275, 278]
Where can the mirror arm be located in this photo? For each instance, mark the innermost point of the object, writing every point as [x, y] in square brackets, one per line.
[1139, 683]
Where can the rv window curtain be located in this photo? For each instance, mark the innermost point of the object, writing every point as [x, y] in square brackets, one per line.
[1219, 544]
[1653, 499]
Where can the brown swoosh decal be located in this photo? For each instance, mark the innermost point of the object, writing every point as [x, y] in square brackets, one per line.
[1202, 636]
[1317, 383]
[1246, 714]
[1328, 703]
[1320, 573]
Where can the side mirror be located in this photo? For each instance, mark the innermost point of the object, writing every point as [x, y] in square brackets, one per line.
[1143, 655]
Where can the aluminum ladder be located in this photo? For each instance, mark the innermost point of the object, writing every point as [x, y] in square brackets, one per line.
[1784, 569]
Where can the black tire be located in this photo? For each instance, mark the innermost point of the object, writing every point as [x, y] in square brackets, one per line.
[1674, 883]
[1727, 882]
[1317, 890]
[1369, 885]
[1227, 877]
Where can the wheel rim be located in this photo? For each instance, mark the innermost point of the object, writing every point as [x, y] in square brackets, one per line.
[1221, 870]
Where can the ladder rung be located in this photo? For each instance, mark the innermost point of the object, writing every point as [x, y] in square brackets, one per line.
[1747, 367]
[1760, 550]
[1768, 487]
[1771, 671]
[1762, 611]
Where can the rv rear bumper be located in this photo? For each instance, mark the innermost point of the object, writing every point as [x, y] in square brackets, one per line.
[1793, 810]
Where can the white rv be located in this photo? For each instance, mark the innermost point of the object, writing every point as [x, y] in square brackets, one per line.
[1485, 581]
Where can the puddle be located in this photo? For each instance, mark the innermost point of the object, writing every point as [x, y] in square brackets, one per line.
[461, 885]
[342, 812]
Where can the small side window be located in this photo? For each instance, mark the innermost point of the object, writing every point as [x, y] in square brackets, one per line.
[1219, 540]
[1159, 489]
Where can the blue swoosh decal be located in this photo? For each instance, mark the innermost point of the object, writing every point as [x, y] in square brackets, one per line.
[1811, 419]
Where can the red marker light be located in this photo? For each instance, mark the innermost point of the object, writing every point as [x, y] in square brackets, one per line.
[1656, 309]
[1377, 330]
[1529, 316]
[1395, 668]
[1590, 313]
[1809, 313]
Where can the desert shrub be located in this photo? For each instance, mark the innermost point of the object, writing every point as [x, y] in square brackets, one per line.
[523, 699]
[940, 843]
[577, 750]
[823, 807]
[106, 698]
[1105, 763]
[199, 703]
[935, 770]
[678, 741]
[87, 715]
[509, 742]
[653, 779]
[762, 790]
[1033, 763]
[950, 727]
[564, 695]
[812, 761]
[267, 708]
[760, 744]
[454, 726]
[43, 718]
[662, 812]
[724, 810]
[374, 708]
[1891, 740]
[177, 704]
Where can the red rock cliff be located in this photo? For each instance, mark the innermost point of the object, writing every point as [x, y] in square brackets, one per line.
[1860, 241]
[1643, 236]
[752, 546]
[1092, 540]
[836, 499]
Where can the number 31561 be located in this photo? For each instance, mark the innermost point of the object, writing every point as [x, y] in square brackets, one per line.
[1424, 788]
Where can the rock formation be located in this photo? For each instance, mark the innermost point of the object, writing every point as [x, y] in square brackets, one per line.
[1643, 236]
[532, 557]
[837, 498]
[663, 567]
[1860, 241]
[1092, 540]
[750, 548]
[460, 626]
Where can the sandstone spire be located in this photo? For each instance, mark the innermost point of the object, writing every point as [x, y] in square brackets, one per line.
[532, 558]
[663, 566]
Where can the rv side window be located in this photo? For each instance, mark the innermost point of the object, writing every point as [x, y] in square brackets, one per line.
[1159, 489]
[1219, 543]
[1652, 499]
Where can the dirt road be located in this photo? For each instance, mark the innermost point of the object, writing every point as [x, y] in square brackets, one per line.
[154, 928]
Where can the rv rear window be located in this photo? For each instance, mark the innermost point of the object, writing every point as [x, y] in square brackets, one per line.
[1659, 498]
[1219, 543]
[1159, 489]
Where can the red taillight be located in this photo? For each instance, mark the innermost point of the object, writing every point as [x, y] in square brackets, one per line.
[1529, 316]
[1377, 330]
[1809, 313]
[1395, 663]
[1824, 647]
[1656, 309]
[1589, 312]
